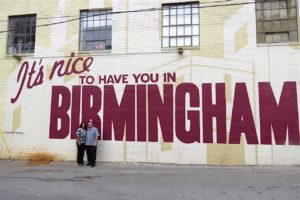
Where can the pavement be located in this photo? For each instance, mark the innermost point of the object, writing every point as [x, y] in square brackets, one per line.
[66, 180]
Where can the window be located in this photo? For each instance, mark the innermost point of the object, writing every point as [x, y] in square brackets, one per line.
[180, 25]
[21, 34]
[276, 21]
[95, 30]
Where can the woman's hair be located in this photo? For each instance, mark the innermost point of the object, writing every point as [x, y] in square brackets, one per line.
[81, 125]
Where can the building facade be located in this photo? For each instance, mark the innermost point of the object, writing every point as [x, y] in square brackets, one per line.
[164, 81]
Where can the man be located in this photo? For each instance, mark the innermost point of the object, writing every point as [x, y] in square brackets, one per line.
[91, 144]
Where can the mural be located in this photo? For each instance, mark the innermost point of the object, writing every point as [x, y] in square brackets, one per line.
[228, 102]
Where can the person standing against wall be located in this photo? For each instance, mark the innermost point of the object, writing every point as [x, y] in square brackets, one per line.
[80, 142]
[91, 144]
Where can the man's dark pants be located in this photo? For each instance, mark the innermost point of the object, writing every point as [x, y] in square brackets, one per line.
[91, 154]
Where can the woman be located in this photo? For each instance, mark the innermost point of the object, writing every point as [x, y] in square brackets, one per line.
[80, 141]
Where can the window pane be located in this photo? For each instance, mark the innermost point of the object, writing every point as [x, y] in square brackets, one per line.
[268, 38]
[196, 19]
[166, 21]
[180, 41]
[180, 30]
[173, 20]
[90, 18]
[166, 10]
[97, 35]
[96, 18]
[267, 14]
[195, 40]
[90, 24]
[83, 25]
[102, 23]
[292, 3]
[267, 26]
[276, 37]
[108, 44]
[166, 31]
[195, 30]
[188, 41]
[165, 42]
[275, 14]
[293, 36]
[173, 31]
[22, 29]
[180, 10]
[293, 13]
[173, 11]
[195, 10]
[180, 19]
[188, 19]
[102, 17]
[283, 13]
[188, 30]
[282, 4]
[173, 42]
[267, 5]
[108, 34]
[187, 9]
[274, 4]
[28, 29]
[293, 25]
[258, 6]
[96, 23]
[284, 37]
[100, 45]
[259, 15]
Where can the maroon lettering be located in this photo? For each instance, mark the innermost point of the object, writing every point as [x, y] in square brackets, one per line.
[242, 118]
[25, 67]
[120, 116]
[75, 111]
[113, 79]
[282, 118]
[62, 70]
[60, 104]
[162, 110]
[141, 113]
[211, 110]
[37, 81]
[193, 134]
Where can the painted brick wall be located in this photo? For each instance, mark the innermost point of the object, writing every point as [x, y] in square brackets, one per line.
[228, 53]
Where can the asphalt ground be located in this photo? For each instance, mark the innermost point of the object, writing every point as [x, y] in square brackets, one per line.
[66, 180]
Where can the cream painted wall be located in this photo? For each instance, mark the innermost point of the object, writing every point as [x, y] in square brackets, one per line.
[228, 53]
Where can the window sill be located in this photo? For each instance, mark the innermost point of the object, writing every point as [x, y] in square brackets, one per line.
[176, 48]
[95, 52]
[19, 56]
[278, 44]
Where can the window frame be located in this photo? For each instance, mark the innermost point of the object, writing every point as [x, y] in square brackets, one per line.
[80, 30]
[178, 25]
[271, 32]
[28, 35]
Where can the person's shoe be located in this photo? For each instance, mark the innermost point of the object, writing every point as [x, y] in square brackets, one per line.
[92, 165]
[89, 164]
